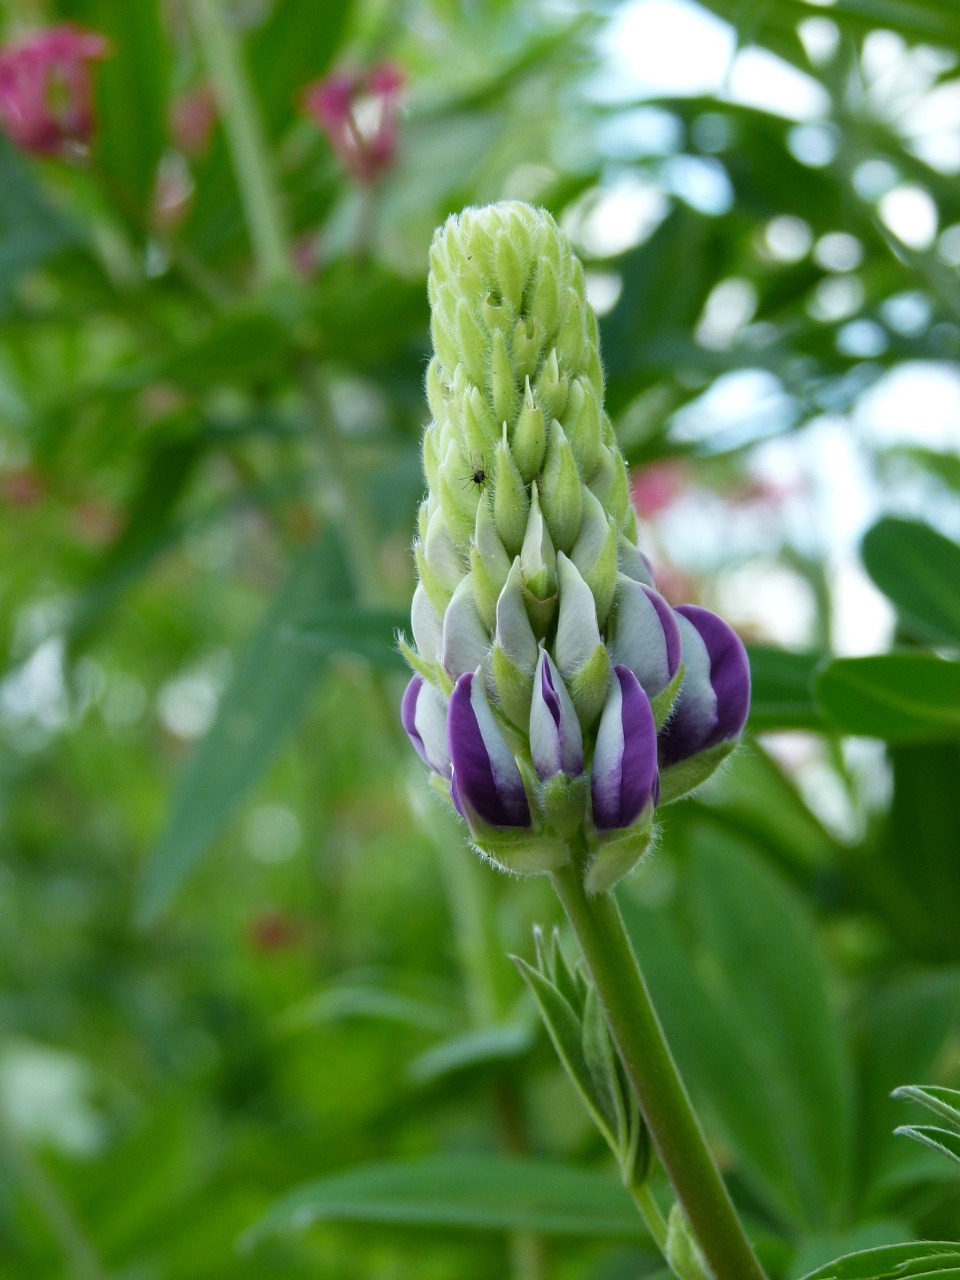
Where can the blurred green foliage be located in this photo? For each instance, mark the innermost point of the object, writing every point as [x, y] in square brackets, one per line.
[240, 950]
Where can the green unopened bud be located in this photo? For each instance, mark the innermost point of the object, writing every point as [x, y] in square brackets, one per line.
[552, 388]
[538, 557]
[472, 342]
[489, 562]
[480, 429]
[527, 346]
[632, 562]
[581, 421]
[503, 386]
[529, 441]
[571, 339]
[515, 652]
[457, 502]
[595, 554]
[511, 502]
[510, 269]
[561, 493]
[545, 297]
[581, 655]
[465, 638]
[610, 484]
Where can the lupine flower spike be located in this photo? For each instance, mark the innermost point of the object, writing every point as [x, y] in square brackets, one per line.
[358, 113]
[557, 697]
[46, 89]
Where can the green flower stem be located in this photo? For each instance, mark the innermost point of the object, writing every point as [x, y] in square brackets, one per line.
[80, 1259]
[654, 1220]
[484, 970]
[246, 139]
[664, 1102]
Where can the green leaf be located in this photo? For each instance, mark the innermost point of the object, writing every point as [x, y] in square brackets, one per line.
[944, 1102]
[484, 1047]
[132, 86]
[479, 1192]
[946, 1141]
[745, 1006]
[358, 1000]
[900, 1030]
[782, 689]
[919, 570]
[922, 1258]
[31, 230]
[566, 1031]
[900, 697]
[266, 698]
[772, 987]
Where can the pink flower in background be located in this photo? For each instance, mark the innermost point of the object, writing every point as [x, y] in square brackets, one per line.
[46, 89]
[358, 113]
[192, 119]
[657, 486]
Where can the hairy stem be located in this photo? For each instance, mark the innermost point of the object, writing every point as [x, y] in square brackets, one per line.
[648, 1062]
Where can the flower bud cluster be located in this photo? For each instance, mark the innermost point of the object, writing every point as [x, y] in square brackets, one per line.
[557, 697]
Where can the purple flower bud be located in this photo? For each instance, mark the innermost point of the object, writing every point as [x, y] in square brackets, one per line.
[486, 781]
[624, 774]
[644, 635]
[423, 713]
[714, 697]
[556, 743]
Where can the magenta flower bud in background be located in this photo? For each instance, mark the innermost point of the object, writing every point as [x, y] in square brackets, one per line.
[423, 713]
[486, 781]
[711, 708]
[624, 775]
[46, 89]
[358, 113]
[192, 118]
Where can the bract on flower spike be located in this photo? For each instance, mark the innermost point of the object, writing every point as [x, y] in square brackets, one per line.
[574, 698]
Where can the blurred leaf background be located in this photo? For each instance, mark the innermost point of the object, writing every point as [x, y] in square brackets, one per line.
[256, 1017]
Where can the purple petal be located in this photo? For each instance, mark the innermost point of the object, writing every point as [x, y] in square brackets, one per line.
[423, 713]
[485, 773]
[644, 635]
[556, 742]
[624, 776]
[715, 695]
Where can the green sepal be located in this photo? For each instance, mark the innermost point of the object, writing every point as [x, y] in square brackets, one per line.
[438, 593]
[522, 853]
[510, 270]
[432, 672]
[540, 612]
[678, 780]
[614, 854]
[561, 496]
[662, 704]
[489, 563]
[562, 801]
[588, 687]
[513, 687]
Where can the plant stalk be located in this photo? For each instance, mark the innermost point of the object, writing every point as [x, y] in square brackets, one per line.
[246, 139]
[648, 1062]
